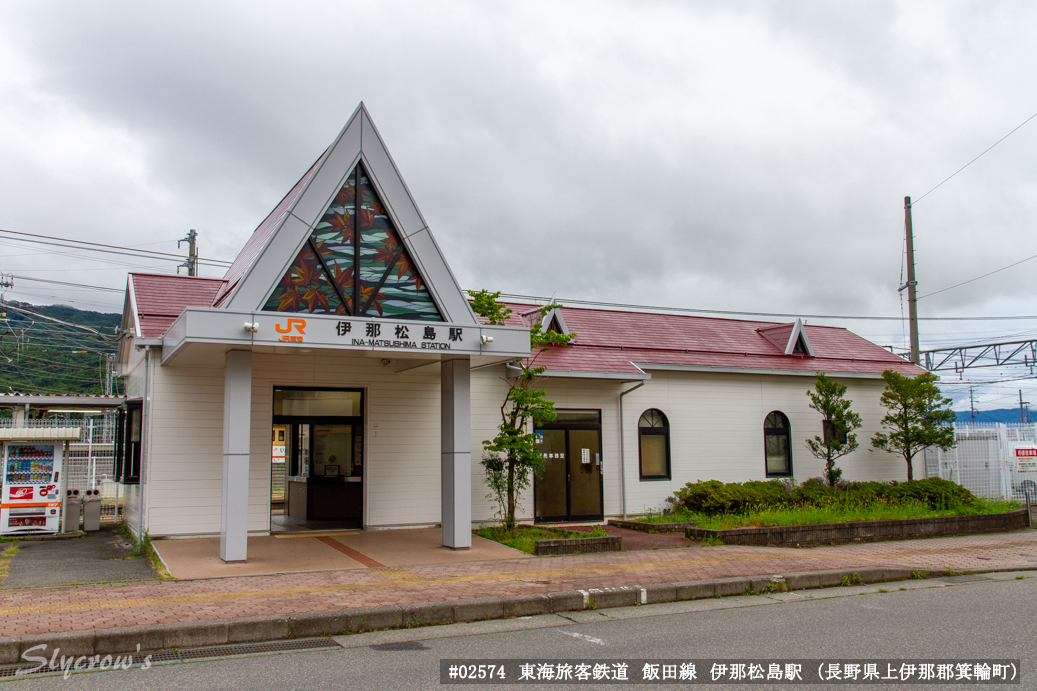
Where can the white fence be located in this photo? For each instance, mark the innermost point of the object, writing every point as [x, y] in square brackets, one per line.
[90, 463]
[991, 460]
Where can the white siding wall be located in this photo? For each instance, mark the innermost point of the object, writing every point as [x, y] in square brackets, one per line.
[488, 391]
[186, 451]
[402, 484]
[716, 423]
[716, 430]
[402, 453]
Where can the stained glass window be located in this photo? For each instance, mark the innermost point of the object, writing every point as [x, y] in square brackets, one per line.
[330, 276]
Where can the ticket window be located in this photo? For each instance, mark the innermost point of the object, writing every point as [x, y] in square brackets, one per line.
[313, 450]
[332, 450]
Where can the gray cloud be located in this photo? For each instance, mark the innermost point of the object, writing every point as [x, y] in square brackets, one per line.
[738, 156]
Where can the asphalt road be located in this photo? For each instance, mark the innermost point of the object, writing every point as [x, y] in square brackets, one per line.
[993, 616]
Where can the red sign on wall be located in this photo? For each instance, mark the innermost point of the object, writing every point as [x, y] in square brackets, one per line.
[1026, 453]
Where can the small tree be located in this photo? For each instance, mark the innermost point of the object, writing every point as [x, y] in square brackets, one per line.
[512, 458]
[918, 416]
[838, 423]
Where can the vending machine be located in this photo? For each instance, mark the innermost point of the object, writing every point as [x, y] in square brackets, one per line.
[30, 501]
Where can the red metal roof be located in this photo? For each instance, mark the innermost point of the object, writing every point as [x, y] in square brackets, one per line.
[613, 341]
[607, 341]
[260, 235]
[160, 298]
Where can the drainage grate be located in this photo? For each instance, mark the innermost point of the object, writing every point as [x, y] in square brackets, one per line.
[253, 648]
[211, 651]
[163, 656]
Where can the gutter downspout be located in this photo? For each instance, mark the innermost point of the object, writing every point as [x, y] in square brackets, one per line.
[622, 447]
[145, 445]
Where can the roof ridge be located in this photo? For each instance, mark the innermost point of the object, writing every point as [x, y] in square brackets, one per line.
[193, 278]
[647, 312]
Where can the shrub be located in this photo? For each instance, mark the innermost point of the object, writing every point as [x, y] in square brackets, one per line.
[712, 497]
[715, 497]
[936, 492]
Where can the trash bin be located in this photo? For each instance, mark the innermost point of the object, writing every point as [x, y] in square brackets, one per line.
[73, 510]
[92, 510]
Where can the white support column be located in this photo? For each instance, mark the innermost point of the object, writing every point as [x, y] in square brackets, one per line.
[237, 421]
[456, 407]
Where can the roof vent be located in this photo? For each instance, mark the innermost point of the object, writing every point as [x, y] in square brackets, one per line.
[554, 321]
[791, 339]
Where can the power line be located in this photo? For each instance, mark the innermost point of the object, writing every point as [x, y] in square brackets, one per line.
[88, 329]
[66, 283]
[975, 159]
[110, 249]
[956, 285]
[619, 305]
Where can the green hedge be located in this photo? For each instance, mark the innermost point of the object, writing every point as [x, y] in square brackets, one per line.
[712, 497]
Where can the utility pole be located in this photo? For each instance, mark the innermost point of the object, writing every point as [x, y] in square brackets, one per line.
[192, 253]
[972, 406]
[1022, 409]
[912, 298]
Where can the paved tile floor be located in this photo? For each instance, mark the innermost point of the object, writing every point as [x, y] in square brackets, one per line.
[330, 550]
[25, 611]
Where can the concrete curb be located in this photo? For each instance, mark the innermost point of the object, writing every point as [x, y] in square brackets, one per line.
[652, 527]
[72, 535]
[578, 545]
[336, 622]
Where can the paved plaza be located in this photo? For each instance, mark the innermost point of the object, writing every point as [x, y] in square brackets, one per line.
[111, 605]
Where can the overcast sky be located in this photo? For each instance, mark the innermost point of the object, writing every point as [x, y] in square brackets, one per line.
[739, 156]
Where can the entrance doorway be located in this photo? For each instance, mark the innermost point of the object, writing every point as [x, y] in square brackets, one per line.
[570, 488]
[323, 459]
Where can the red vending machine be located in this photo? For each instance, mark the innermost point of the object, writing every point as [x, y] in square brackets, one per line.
[31, 498]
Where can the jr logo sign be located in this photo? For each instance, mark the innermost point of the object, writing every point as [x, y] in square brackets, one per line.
[292, 324]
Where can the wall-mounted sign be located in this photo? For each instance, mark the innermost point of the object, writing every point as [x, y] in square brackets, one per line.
[213, 325]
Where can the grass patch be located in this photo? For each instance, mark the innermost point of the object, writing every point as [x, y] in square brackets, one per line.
[524, 537]
[144, 548]
[5, 560]
[844, 514]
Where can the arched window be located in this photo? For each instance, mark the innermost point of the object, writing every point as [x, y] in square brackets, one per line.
[653, 435]
[777, 444]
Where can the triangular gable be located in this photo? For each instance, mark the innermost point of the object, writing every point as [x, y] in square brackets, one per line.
[309, 262]
[789, 338]
[329, 277]
[554, 321]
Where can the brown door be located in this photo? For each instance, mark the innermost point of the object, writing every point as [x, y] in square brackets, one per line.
[551, 495]
[570, 488]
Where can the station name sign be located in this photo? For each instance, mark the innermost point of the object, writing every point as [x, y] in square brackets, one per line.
[337, 332]
[321, 330]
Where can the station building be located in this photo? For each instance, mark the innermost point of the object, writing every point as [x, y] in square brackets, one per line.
[336, 376]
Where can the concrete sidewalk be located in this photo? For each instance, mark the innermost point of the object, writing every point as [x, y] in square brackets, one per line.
[152, 605]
